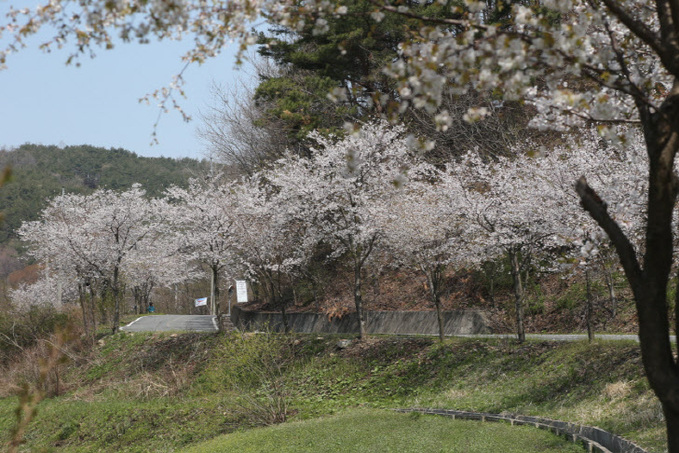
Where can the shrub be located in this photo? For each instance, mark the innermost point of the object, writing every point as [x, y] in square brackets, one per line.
[22, 330]
[256, 372]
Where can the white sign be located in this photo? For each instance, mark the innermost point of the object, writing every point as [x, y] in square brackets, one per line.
[202, 302]
[241, 291]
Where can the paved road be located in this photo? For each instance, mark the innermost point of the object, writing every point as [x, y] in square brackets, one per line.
[208, 323]
[164, 323]
[564, 337]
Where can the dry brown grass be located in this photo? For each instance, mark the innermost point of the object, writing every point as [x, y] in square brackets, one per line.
[28, 368]
[33, 364]
[41, 378]
[172, 381]
[617, 390]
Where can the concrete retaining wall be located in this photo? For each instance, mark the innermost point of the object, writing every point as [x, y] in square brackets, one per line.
[595, 439]
[457, 322]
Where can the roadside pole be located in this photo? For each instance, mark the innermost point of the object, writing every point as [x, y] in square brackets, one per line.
[230, 292]
[212, 293]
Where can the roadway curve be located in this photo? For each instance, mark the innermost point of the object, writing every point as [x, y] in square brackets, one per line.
[166, 323]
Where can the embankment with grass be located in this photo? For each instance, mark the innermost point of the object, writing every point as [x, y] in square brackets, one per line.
[152, 392]
[379, 431]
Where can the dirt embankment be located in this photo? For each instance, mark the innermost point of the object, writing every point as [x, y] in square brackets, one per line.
[552, 304]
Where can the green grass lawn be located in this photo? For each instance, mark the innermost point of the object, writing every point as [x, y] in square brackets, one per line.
[381, 431]
[165, 392]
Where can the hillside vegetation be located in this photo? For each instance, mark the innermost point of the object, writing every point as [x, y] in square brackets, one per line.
[42, 172]
[153, 392]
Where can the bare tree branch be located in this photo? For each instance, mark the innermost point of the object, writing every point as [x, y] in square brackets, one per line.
[637, 27]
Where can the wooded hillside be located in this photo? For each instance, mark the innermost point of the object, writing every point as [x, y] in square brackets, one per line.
[40, 172]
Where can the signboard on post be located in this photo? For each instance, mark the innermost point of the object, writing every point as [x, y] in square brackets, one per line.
[241, 291]
[201, 302]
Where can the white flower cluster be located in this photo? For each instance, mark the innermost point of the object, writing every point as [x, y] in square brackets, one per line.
[614, 67]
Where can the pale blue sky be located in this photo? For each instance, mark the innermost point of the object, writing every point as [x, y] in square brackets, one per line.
[44, 101]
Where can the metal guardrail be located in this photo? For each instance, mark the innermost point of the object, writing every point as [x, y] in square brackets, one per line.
[594, 439]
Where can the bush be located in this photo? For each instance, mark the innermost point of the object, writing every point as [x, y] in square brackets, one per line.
[573, 297]
[495, 276]
[256, 372]
[536, 299]
[22, 330]
[34, 344]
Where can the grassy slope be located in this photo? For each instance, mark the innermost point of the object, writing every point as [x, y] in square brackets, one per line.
[368, 431]
[158, 393]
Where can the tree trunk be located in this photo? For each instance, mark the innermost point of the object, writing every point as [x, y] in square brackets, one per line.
[215, 289]
[434, 280]
[116, 300]
[283, 303]
[146, 295]
[138, 305]
[651, 294]
[294, 292]
[518, 295]
[284, 315]
[439, 316]
[314, 292]
[649, 284]
[277, 300]
[608, 277]
[672, 424]
[358, 301]
[92, 309]
[105, 299]
[589, 307]
[492, 271]
[82, 297]
[676, 313]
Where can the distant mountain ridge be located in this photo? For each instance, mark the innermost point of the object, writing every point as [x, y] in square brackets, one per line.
[41, 172]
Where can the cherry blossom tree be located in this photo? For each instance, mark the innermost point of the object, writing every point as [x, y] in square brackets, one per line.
[601, 61]
[527, 207]
[51, 289]
[157, 264]
[426, 228]
[95, 235]
[618, 171]
[500, 197]
[203, 225]
[273, 243]
[341, 190]
[49, 241]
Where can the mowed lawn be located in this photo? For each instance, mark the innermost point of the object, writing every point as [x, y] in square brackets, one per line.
[385, 431]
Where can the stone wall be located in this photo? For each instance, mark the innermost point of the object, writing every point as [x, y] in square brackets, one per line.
[456, 322]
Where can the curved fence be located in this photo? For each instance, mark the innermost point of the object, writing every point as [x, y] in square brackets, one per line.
[594, 439]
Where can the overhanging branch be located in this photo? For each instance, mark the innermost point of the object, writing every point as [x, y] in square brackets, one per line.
[597, 209]
[640, 29]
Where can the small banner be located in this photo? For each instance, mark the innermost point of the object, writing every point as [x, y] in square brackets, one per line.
[241, 291]
[202, 302]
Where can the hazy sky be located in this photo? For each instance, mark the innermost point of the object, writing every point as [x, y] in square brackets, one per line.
[44, 101]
